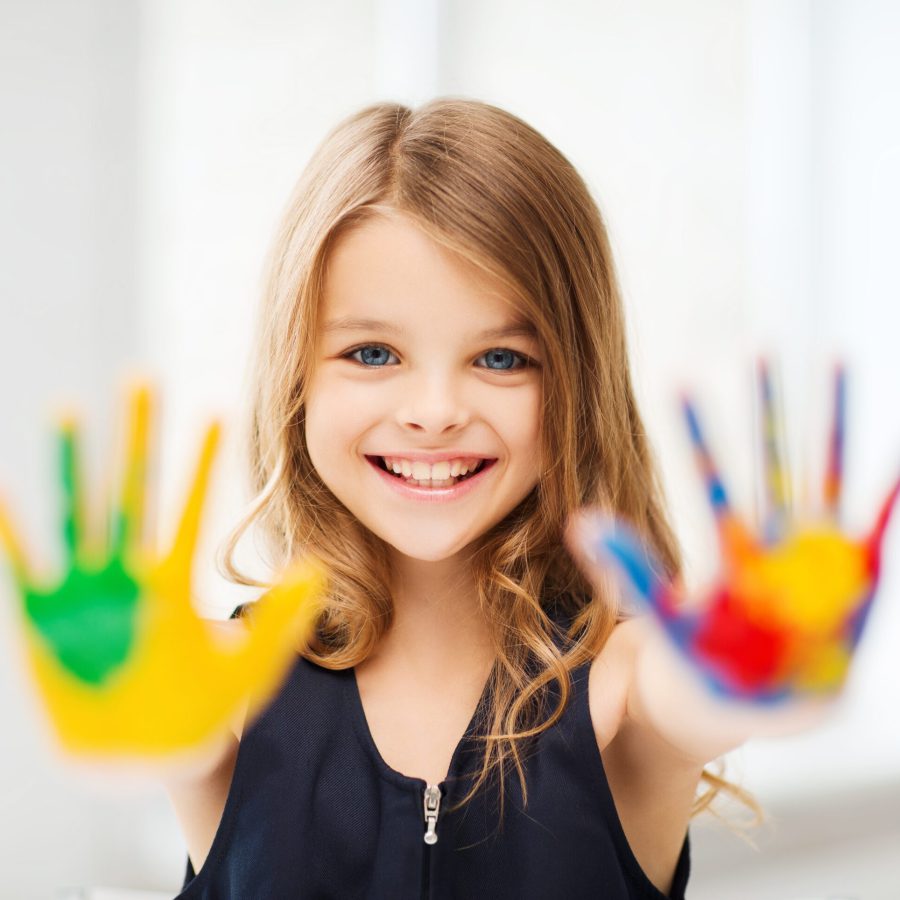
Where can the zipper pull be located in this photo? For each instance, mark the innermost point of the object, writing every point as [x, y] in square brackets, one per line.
[432, 807]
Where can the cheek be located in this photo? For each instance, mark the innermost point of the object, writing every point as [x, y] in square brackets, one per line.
[336, 414]
[520, 418]
[518, 421]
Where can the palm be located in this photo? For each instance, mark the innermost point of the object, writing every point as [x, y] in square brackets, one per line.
[788, 608]
[88, 619]
[121, 660]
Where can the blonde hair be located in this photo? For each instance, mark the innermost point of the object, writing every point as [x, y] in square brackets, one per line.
[483, 183]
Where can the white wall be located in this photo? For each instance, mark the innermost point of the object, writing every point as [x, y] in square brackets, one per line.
[742, 153]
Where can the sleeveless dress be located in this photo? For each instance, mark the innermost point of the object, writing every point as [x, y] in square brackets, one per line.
[315, 813]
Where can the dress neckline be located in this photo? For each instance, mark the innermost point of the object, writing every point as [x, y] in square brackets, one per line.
[364, 733]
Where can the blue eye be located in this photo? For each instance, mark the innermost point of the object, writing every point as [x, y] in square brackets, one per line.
[500, 355]
[374, 357]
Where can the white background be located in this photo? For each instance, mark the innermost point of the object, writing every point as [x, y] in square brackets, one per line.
[746, 156]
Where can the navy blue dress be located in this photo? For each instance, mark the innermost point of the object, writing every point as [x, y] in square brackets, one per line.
[314, 812]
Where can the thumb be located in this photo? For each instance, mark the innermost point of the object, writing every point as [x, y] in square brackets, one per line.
[602, 543]
[281, 621]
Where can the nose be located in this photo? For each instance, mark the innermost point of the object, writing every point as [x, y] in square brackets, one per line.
[433, 404]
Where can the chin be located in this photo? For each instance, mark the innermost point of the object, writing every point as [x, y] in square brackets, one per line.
[421, 548]
[426, 552]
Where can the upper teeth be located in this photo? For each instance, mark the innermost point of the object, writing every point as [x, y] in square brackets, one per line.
[422, 471]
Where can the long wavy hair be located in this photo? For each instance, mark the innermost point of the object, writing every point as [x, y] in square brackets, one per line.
[486, 185]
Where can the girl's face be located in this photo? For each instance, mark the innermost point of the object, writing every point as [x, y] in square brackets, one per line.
[436, 378]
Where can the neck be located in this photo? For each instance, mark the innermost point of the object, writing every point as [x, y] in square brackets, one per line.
[438, 629]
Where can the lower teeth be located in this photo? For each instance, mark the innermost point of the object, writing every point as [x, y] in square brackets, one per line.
[448, 482]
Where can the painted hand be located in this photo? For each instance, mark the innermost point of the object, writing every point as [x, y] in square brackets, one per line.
[123, 664]
[788, 610]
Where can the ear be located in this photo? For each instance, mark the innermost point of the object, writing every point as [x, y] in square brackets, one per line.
[599, 542]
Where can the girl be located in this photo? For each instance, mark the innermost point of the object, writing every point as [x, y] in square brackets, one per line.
[440, 380]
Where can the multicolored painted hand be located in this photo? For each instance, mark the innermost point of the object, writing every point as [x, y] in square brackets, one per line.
[789, 607]
[122, 662]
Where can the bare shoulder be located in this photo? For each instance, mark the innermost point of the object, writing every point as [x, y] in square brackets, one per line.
[653, 787]
[608, 683]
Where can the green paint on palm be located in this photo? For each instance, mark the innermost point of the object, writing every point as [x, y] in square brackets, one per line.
[88, 620]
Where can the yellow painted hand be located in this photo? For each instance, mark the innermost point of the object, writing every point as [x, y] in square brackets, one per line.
[121, 660]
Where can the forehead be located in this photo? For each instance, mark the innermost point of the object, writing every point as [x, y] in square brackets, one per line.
[387, 268]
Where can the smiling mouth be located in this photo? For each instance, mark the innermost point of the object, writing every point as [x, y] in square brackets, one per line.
[440, 483]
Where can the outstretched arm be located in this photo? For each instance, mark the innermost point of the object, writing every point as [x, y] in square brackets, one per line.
[122, 663]
[768, 650]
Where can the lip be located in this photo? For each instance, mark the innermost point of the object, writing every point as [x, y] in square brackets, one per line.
[432, 495]
[443, 456]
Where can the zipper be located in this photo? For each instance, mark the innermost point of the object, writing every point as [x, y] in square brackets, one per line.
[432, 806]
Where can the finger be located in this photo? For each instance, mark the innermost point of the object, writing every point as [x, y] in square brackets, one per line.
[834, 470]
[876, 536]
[608, 543]
[857, 622]
[776, 475]
[72, 490]
[281, 622]
[736, 540]
[128, 516]
[12, 547]
[715, 488]
[185, 543]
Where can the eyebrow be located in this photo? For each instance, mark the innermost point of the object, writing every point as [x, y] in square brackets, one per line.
[514, 329]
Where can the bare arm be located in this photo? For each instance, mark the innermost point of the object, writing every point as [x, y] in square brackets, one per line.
[199, 802]
[198, 791]
[657, 726]
[652, 781]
